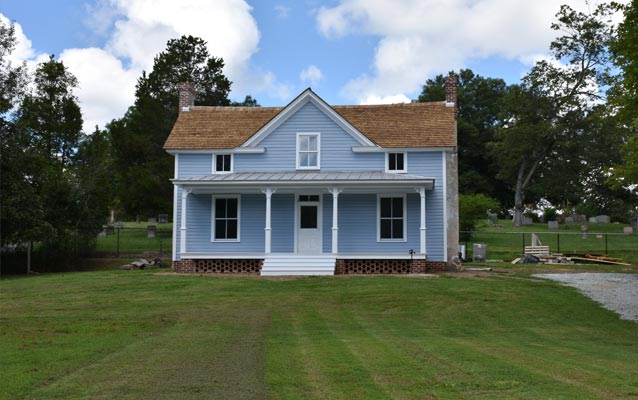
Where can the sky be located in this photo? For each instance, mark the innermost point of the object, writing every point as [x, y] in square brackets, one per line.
[348, 51]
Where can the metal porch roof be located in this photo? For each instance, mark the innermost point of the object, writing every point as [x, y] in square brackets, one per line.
[287, 178]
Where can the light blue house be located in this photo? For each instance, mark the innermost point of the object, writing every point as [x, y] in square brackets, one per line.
[314, 189]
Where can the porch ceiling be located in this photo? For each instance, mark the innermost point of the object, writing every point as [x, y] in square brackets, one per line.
[348, 180]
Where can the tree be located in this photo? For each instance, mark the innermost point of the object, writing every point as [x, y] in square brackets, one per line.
[249, 101]
[472, 208]
[19, 210]
[479, 105]
[624, 94]
[543, 114]
[142, 166]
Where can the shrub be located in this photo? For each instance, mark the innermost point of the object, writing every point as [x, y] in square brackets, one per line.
[472, 208]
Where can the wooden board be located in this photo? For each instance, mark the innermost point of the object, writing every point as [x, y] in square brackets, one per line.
[597, 261]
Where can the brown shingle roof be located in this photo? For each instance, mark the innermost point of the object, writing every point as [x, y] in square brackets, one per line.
[389, 125]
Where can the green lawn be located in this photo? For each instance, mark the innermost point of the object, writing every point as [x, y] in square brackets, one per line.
[137, 334]
[506, 242]
[133, 240]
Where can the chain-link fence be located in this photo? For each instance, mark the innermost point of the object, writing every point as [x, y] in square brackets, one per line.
[509, 245]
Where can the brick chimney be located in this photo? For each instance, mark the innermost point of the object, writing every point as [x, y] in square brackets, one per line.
[450, 90]
[186, 96]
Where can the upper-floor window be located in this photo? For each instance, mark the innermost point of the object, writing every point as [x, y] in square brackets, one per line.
[308, 150]
[223, 163]
[396, 162]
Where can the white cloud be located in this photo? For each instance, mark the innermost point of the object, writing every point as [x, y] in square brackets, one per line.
[106, 92]
[282, 11]
[311, 74]
[136, 30]
[421, 38]
[392, 99]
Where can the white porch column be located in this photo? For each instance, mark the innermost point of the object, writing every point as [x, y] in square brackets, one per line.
[421, 192]
[182, 236]
[267, 230]
[335, 219]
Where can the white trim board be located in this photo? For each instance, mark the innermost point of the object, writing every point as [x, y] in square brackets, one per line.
[212, 218]
[405, 217]
[444, 158]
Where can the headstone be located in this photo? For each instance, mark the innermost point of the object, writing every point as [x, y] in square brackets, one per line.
[151, 231]
[569, 218]
[102, 233]
[552, 225]
[584, 230]
[603, 219]
[628, 230]
[152, 220]
[527, 221]
[110, 230]
[599, 236]
[163, 218]
[593, 220]
[479, 251]
[492, 217]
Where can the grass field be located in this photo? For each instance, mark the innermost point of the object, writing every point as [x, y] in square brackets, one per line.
[506, 242]
[133, 240]
[138, 334]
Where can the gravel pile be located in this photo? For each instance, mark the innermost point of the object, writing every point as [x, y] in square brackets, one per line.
[616, 292]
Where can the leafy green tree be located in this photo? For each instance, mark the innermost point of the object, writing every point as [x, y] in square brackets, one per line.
[473, 208]
[624, 94]
[48, 125]
[479, 105]
[249, 101]
[543, 115]
[143, 167]
[20, 210]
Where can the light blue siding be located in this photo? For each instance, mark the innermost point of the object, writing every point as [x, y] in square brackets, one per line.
[358, 227]
[336, 146]
[194, 165]
[282, 223]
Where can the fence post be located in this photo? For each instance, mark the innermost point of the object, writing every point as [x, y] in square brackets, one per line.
[558, 241]
[118, 242]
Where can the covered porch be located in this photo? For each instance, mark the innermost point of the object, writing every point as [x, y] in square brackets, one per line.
[304, 217]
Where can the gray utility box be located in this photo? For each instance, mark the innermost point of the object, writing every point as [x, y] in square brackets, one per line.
[479, 251]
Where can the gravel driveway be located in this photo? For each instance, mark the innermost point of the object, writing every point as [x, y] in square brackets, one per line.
[616, 292]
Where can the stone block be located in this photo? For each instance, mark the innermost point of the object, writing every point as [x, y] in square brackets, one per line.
[527, 221]
[151, 231]
[628, 230]
[569, 219]
[552, 225]
[603, 219]
[162, 218]
[152, 220]
[593, 220]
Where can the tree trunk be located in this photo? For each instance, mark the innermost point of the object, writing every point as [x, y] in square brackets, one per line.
[519, 196]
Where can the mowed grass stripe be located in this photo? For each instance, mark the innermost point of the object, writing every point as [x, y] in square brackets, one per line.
[210, 353]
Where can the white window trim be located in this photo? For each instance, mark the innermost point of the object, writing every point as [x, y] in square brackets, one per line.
[212, 222]
[232, 163]
[405, 217]
[397, 171]
[318, 135]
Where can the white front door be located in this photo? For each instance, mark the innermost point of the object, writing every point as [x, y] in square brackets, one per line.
[309, 224]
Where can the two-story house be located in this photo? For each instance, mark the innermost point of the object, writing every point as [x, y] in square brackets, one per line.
[315, 189]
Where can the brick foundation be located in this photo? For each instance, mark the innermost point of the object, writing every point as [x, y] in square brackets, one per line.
[219, 266]
[390, 266]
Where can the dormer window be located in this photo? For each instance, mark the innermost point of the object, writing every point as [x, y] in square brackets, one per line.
[223, 163]
[308, 150]
[396, 162]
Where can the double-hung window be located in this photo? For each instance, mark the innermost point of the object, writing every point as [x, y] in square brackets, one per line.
[396, 162]
[308, 150]
[226, 219]
[223, 163]
[392, 218]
